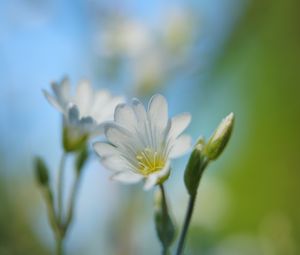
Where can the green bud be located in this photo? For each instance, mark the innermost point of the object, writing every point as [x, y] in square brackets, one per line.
[164, 225]
[73, 140]
[81, 158]
[41, 171]
[220, 138]
[195, 167]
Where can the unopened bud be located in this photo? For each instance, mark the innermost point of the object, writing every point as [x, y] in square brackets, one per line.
[41, 171]
[195, 167]
[164, 225]
[220, 138]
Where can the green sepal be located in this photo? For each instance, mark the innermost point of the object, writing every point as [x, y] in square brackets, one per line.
[164, 225]
[195, 167]
[41, 171]
[73, 140]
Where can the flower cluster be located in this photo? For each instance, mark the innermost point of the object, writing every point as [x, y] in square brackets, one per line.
[139, 146]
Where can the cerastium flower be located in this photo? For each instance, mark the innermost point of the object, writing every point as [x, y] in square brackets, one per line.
[83, 116]
[83, 112]
[142, 142]
[140, 145]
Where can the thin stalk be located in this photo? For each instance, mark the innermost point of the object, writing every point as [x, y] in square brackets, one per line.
[53, 221]
[187, 221]
[165, 248]
[73, 196]
[164, 199]
[188, 215]
[60, 187]
[59, 245]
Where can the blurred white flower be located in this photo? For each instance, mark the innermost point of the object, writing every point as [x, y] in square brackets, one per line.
[126, 37]
[85, 111]
[142, 142]
[178, 30]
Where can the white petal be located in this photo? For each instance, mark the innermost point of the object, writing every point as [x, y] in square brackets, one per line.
[87, 124]
[105, 149]
[178, 124]
[127, 177]
[107, 111]
[158, 111]
[101, 98]
[84, 95]
[116, 134]
[98, 129]
[65, 89]
[152, 179]
[53, 101]
[125, 116]
[114, 163]
[181, 145]
[73, 114]
[139, 110]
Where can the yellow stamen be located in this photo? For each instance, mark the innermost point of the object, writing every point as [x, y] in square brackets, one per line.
[149, 161]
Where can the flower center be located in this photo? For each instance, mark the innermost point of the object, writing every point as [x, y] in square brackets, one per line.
[149, 161]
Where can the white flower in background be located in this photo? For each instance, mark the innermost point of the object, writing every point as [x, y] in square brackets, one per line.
[128, 37]
[85, 111]
[141, 143]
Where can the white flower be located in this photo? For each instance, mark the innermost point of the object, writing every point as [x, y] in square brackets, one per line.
[86, 109]
[141, 143]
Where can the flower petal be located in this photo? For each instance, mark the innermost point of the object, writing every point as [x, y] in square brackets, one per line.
[107, 112]
[139, 110]
[105, 149]
[65, 88]
[101, 99]
[87, 123]
[116, 134]
[84, 95]
[158, 111]
[127, 177]
[178, 124]
[73, 114]
[125, 116]
[114, 163]
[152, 179]
[53, 101]
[181, 146]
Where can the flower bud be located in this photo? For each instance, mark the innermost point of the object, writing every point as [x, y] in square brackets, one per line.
[41, 171]
[164, 226]
[220, 138]
[195, 167]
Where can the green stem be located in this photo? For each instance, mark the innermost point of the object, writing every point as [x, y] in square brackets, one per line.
[188, 215]
[60, 187]
[187, 221]
[59, 245]
[165, 248]
[164, 199]
[53, 221]
[165, 251]
[74, 192]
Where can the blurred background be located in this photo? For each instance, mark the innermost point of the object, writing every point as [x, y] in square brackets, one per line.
[208, 57]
